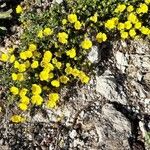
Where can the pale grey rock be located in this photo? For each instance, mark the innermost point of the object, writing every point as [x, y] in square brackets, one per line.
[73, 134]
[93, 55]
[39, 118]
[141, 46]
[59, 1]
[124, 44]
[140, 61]
[142, 128]
[119, 122]
[78, 142]
[139, 76]
[146, 62]
[3, 50]
[121, 60]
[99, 130]
[113, 129]
[136, 60]
[139, 90]
[106, 86]
[147, 105]
[147, 77]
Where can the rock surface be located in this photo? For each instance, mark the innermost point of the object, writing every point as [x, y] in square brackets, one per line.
[112, 112]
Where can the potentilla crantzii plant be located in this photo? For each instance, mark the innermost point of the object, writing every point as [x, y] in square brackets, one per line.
[55, 42]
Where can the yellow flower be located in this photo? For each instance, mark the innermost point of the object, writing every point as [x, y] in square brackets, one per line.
[132, 32]
[51, 104]
[145, 30]
[143, 8]
[20, 77]
[22, 68]
[19, 9]
[48, 67]
[111, 23]
[77, 25]
[28, 54]
[101, 37]
[120, 26]
[4, 57]
[17, 119]
[43, 63]
[47, 32]
[115, 20]
[147, 2]
[120, 8]
[12, 58]
[36, 89]
[124, 34]
[72, 18]
[58, 65]
[23, 106]
[27, 64]
[35, 64]
[128, 25]
[64, 21]
[36, 100]
[51, 75]
[23, 55]
[25, 100]
[14, 90]
[44, 75]
[54, 60]
[71, 53]
[14, 76]
[68, 70]
[16, 64]
[55, 83]
[85, 79]
[23, 92]
[75, 72]
[54, 97]
[47, 56]
[130, 8]
[63, 37]
[64, 79]
[94, 18]
[86, 44]
[138, 25]
[32, 47]
[40, 34]
[132, 18]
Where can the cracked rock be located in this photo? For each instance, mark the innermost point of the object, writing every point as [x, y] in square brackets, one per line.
[122, 61]
[93, 55]
[106, 86]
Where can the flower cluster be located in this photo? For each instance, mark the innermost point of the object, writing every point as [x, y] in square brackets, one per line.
[53, 51]
[133, 24]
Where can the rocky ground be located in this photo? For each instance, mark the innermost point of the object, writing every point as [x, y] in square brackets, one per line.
[112, 112]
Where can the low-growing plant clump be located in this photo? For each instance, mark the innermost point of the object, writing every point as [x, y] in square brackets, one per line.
[56, 41]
